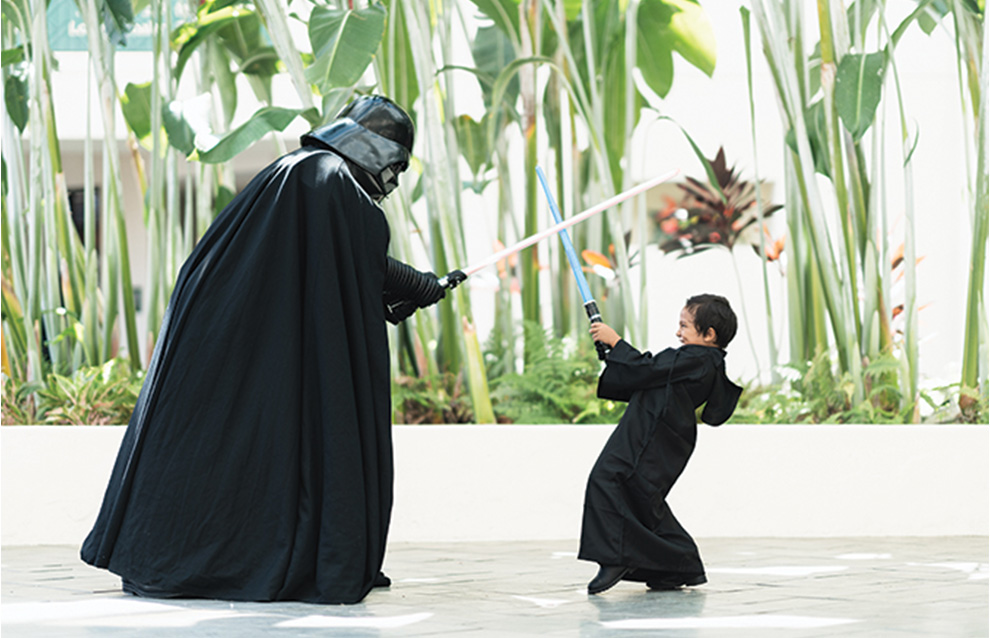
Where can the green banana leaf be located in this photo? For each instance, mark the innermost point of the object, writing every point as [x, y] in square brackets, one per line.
[344, 44]
[858, 85]
[264, 121]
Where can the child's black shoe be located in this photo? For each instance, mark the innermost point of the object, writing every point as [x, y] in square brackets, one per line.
[607, 577]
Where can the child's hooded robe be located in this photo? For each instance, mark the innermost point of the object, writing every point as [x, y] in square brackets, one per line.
[627, 521]
[258, 461]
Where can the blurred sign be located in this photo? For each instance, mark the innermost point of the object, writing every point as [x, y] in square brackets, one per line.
[67, 28]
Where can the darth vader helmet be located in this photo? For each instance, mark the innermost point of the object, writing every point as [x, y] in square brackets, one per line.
[375, 136]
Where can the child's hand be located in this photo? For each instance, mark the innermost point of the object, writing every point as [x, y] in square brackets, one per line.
[604, 333]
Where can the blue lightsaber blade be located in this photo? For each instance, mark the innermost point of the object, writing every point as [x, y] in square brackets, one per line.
[590, 307]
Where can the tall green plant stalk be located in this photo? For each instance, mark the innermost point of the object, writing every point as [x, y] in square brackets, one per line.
[603, 108]
[442, 184]
[448, 234]
[789, 92]
[19, 318]
[19, 325]
[632, 212]
[856, 266]
[399, 81]
[767, 306]
[505, 301]
[910, 297]
[91, 309]
[46, 266]
[529, 31]
[972, 36]
[154, 197]
[45, 301]
[562, 288]
[832, 50]
[43, 166]
[117, 262]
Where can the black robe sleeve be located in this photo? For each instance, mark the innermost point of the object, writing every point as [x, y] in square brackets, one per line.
[628, 370]
[699, 370]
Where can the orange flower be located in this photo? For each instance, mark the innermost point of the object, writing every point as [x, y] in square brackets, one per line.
[669, 207]
[595, 258]
[897, 257]
[773, 246]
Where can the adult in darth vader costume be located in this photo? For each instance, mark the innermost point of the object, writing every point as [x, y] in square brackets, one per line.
[258, 461]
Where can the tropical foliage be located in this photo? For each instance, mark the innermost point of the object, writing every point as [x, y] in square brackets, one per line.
[101, 395]
[564, 84]
[839, 242]
[815, 393]
[558, 384]
[705, 217]
[431, 400]
[79, 288]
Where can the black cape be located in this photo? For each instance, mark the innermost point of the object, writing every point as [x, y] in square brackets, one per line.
[258, 462]
[626, 519]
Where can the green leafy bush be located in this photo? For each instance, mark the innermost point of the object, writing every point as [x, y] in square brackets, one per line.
[815, 394]
[558, 386]
[101, 395]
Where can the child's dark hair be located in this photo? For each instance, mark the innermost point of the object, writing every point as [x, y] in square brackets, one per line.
[713, 311]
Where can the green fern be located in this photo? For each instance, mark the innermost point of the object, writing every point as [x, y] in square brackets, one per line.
[558, 384]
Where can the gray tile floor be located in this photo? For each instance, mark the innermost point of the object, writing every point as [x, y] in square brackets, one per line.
[856, 587]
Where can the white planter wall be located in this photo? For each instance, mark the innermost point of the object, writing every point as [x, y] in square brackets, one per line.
[527, 482]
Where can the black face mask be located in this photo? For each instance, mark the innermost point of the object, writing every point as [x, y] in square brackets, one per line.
[376, 187]
[378, 158]
[390, 178]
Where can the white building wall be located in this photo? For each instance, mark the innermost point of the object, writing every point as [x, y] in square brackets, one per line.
[519, 482]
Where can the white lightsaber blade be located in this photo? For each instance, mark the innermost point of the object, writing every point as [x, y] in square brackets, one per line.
[567, 223]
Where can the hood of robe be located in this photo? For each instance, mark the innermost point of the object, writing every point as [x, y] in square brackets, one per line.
[724, 395]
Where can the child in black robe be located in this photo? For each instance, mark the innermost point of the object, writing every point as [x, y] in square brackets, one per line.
[628, 528]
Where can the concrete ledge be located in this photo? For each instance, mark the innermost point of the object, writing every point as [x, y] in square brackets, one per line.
[527, 482]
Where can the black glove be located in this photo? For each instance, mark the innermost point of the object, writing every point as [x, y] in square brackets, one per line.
[431, 291]
[407, 289]
[402, 281]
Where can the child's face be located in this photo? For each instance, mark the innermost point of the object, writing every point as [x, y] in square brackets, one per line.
[688, 333]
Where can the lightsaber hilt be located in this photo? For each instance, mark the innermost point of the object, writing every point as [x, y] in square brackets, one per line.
[451, 279]
[591, 308]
